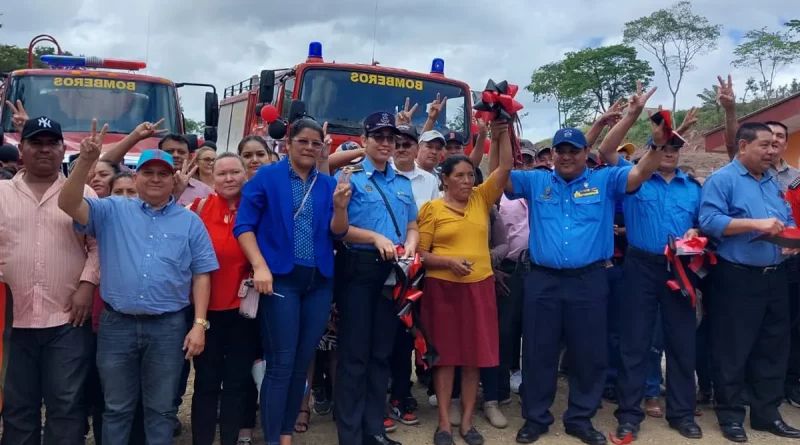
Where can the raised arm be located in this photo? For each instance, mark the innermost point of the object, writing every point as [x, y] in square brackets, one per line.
[649, 163]
[70, 200]
[477, 149]
[433, 113]
[608, 119]
[341, 199]
[637, 102]
[500, 133]
[145, 130]
[727, 100]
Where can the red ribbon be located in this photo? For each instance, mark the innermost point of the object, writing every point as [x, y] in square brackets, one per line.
[628, 439]
[694, 247]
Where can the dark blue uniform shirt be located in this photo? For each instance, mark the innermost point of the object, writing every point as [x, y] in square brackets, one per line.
[575, 219]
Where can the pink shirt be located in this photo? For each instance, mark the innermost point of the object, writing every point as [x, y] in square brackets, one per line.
[42, 257]
[515, 216]
[195, 189]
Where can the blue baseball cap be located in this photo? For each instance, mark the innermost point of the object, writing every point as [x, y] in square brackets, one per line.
[571, 136]
[155, 155]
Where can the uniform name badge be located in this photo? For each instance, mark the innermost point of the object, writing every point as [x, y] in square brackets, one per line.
[586, 191]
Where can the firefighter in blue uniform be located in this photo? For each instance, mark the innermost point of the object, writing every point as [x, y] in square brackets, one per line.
[666, 204]
[567, 287]
[382, 215]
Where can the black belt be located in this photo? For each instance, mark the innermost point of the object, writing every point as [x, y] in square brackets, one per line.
[764, 270]
[139, 316]
[640, 254]
[602, 264]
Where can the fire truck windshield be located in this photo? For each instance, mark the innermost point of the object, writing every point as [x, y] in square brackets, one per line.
[74, 101]
[343, 98]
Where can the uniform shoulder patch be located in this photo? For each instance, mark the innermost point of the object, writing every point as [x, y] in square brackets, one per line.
[354, 168]
[795, 184]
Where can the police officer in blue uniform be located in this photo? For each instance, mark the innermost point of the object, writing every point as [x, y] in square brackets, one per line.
[382, 215]
[666, 204]
[748, 305]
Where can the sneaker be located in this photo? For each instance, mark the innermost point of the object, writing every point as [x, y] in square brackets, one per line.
[432, 401]
[455, 412]
[493, 414]
[322, 405]
[402, 413]
[516, 381]
[389, 425]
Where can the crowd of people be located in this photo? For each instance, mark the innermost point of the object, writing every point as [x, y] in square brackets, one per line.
[272, 275]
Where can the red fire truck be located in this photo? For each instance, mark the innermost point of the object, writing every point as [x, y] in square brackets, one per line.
[75, 90]
[341, 95]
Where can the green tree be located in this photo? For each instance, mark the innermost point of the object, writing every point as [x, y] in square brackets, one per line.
[768, 53]
[674, 36]
[192, 126]
[709, 98]
[16, 58]
[605, 74]
[548, 83]
[794, 25]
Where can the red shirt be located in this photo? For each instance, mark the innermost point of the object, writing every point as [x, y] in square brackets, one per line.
[233, 264]
[793, 198]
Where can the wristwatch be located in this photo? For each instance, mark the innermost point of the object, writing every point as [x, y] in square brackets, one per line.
[203, 322]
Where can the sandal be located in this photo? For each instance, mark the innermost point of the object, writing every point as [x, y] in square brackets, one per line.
[302, 427]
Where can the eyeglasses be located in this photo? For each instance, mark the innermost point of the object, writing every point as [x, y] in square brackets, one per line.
[381, 138]
[206, 160]
[303, 142]
[405, 145]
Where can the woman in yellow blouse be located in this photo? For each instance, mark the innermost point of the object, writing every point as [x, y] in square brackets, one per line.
[460, 309]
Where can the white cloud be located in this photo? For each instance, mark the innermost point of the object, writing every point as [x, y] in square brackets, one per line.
[210, 41]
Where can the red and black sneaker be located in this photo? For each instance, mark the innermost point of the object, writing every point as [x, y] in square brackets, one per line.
[402, 412]
[389, 425]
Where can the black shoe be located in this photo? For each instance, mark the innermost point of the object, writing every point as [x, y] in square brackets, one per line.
[610, 394]
[178, 429]
[588, 436]
[442, 438]
[380, 440]
[626, 428]
[688, 429]
[734, 432]
[472, 437]
[529, 433]
[793, 396]
[780, 429]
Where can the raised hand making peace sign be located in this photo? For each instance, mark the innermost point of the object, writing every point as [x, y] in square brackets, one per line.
[725, 95]
[147, 130]
[18, 115]
[639, 100]
[404, 117]
[436, 107]
[342, 192]
[92, 145]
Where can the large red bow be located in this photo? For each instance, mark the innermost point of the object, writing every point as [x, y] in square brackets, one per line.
[497, 102]
[695, 248]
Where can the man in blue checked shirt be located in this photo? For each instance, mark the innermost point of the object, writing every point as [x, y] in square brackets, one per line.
[153, 253]
[749, 304]
[666, 204]
[567, 288]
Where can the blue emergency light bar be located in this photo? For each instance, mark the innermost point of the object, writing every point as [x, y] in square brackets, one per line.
[437, 67]
[92, 62]
[315, 50]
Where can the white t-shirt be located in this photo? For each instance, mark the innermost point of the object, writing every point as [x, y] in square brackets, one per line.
[423, 184]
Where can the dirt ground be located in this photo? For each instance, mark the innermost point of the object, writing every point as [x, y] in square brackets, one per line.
[322, 430]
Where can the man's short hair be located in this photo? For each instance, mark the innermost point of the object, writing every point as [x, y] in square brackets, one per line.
[748, 131]
[778, 124]
[173, 137]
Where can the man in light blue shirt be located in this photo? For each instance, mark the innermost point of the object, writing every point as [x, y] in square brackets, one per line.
[152, 254]
[749, 305]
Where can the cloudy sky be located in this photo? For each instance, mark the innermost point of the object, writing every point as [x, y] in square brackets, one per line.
[224, 42]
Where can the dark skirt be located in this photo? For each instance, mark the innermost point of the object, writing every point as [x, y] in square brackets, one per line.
[461, 322]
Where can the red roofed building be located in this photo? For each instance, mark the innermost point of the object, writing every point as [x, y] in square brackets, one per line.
[786, 111]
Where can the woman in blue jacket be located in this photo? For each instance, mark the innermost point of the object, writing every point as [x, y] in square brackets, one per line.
[287, 220]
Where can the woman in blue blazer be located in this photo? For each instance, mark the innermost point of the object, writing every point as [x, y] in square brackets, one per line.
[287, 220]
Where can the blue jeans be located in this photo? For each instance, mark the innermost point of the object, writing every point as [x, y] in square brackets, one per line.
[654, 376]
[140, 355]
[291, 326]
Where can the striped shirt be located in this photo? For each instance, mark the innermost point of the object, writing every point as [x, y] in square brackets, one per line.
[42, 257]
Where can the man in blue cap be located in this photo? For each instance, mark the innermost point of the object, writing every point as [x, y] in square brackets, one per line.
[383, 216]
[566, 291]
[665, 205]
[153, 253]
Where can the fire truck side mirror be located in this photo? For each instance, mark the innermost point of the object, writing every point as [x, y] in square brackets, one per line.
[212, 109]
[297, 110]
[210, 134]
[266, 86]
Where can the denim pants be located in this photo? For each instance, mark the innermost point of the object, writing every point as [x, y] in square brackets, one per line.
[222, 374]
[49, 364]
[292, 322]
[140, 356]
